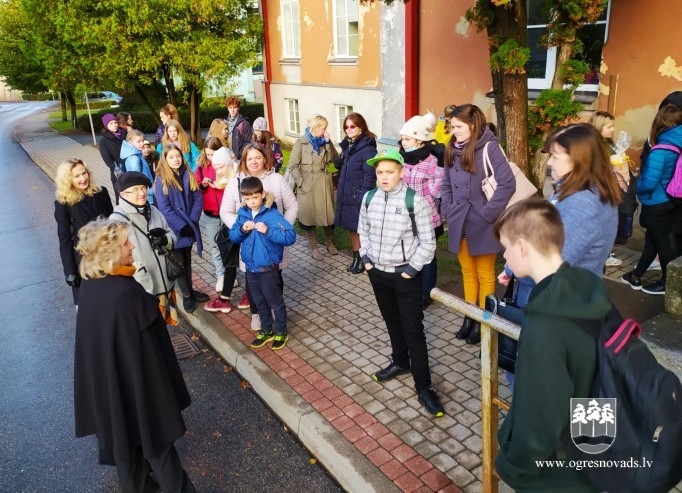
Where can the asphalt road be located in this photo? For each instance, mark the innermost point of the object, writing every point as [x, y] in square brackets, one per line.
[234, 443]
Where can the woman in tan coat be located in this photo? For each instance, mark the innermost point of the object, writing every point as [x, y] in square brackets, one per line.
[308, 163]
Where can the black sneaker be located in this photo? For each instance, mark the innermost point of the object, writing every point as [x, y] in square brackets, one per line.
[655, 288]
[429, 399]
[631, 279]
[426, 302]
[280, 341]
[188, 304]
[390, 372]
[262, 339]
[199, 296]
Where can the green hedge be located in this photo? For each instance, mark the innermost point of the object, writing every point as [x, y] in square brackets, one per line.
[97, 105]
[42, 96]
[146, 122]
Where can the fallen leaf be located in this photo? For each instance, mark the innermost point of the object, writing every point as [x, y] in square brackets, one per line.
[244, 384]
[227, 369]
[313, 460]
[217, 434]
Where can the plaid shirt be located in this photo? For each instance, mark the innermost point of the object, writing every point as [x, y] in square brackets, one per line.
[425, 178]
[386, 238]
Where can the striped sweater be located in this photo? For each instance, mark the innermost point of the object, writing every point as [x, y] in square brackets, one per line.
[386, 238]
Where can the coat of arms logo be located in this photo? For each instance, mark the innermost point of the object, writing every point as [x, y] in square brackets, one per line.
[593, 424]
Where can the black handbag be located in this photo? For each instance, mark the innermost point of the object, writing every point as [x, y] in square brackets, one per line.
[174, 269]
[506, 308]
[229, 252]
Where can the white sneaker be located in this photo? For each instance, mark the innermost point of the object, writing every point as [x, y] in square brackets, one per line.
[219, 285]
[255, 322]
[612, 261]
[655, 265]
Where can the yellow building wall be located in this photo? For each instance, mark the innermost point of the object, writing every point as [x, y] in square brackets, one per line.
[644, 52]
[453, 58]
[317, 64]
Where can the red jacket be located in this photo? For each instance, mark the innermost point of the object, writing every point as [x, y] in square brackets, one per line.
[212, 196]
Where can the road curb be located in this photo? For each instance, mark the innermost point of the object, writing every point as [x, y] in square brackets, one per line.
[349, 467]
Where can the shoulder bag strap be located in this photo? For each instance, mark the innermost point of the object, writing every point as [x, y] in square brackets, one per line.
[487, 165]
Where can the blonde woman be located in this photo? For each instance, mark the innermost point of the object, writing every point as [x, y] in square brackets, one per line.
[176, 135]
[128, 387]
[308, 163]
[78, 201]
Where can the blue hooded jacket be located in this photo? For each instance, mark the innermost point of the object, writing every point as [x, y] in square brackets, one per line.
[659, 168]
[135, 161]
[263, 252]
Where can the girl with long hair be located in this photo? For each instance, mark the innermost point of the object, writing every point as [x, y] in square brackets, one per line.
[268, 142]
[168, 112]
[176, 135]
[470, 215]
[179, 199]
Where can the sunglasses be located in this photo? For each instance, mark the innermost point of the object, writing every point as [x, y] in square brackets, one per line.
[350, 127]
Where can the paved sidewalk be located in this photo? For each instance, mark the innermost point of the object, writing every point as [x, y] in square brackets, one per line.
[370, 436]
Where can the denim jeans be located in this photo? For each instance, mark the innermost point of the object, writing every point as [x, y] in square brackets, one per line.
[210, 226]
[265, 289]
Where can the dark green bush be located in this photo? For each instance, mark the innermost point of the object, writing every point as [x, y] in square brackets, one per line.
[42, 96]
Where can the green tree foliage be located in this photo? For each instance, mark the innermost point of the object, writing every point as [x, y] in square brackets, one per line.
[18, 63]
[193, 40]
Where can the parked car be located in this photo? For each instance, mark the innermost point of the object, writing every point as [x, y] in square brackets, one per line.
[104, 96]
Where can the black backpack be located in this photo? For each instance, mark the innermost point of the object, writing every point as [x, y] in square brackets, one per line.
[645, 452]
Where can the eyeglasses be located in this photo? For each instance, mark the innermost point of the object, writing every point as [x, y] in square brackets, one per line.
[350, 127]
[140, 189]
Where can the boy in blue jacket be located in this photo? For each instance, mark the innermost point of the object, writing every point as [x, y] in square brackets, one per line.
[263, 233]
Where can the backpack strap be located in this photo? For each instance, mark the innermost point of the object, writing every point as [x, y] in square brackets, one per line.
[370, 196]
[629, 328]
[667, 147]
[409, 202]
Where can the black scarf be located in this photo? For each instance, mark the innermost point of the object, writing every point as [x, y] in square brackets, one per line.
[416, 156]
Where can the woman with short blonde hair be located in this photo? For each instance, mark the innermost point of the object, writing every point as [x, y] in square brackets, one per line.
[78, 201]
[308, 162]
[128, 387]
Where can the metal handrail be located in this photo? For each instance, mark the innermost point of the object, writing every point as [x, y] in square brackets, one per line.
[491, 402]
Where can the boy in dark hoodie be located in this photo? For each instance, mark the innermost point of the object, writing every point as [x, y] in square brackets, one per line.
[556, 359]
[263, 232]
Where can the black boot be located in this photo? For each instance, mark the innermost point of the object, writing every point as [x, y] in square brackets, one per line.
[356, 259]
[463, 332]
[475, 334]
[359, 267]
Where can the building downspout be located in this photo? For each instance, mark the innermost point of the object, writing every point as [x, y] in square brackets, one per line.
[266, 64]
[411, 59]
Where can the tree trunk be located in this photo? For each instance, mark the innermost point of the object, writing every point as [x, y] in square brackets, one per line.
[170, 84]
[72, 104]
[195, 115]
[147, 103]
[565, 53]
[512, 102]
[62, 103]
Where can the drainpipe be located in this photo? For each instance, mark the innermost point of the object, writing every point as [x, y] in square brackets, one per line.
[411, 58]
[266, 64]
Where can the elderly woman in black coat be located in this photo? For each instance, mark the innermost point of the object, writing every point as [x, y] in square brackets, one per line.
[78, 201]
[128, 387]
[356, 178]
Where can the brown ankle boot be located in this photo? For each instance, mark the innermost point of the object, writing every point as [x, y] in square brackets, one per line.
[312, 243]
[329, 234]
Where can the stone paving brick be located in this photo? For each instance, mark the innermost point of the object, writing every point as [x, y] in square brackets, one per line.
[386, 416]
[403, 453]
[379, 457]
[393, 469]
[366, 444]
[468, 459]
[435, 480]
[409, 482]
[460, 476]
[374, 406]
[412, 437]
[427, 449]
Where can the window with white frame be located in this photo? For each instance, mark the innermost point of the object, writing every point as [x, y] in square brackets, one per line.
[342, 111]
[291, 31]
[293, 118]
[346, 28]
[542, 63]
